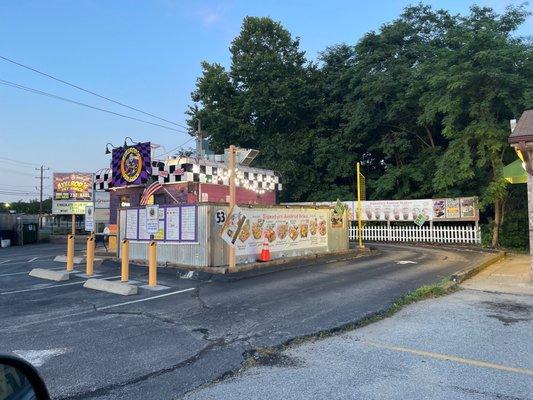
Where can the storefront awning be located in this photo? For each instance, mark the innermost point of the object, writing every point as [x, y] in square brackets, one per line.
[515, 172]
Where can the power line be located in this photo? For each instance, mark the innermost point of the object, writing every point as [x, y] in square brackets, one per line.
[176, 148]
[13, 171]
[90, 92]
[42, 93]
[19, 163]
[17, 186]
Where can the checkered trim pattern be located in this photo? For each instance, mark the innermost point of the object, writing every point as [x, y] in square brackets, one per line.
[248, 178]
[103, 181]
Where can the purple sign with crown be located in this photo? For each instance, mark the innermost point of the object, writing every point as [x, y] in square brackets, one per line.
[131, 165]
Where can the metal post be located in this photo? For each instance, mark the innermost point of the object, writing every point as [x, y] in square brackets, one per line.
[90, 256]
[73, 229]
[231, 162]
[359, 222]
[70, 252]
[125, 261]
[152, 264]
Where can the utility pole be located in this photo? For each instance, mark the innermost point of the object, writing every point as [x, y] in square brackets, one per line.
[42, 178]
[232, 200]
[199, 140]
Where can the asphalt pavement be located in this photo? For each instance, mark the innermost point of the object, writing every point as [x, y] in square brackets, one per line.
[165, 344]
[468, 345]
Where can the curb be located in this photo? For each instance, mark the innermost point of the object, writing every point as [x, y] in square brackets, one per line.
[468, 273]
[258, 269]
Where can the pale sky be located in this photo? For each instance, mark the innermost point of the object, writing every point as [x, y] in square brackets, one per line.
[145, 54]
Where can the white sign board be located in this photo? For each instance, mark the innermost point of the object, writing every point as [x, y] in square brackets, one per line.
[89, 218]
[152, 219]
[69, 207]
[101, 200]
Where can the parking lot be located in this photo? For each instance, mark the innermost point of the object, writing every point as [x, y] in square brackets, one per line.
[91, 344]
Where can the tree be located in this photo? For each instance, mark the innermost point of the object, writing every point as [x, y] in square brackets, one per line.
[478, 80]
[263, 102]
[386, 87]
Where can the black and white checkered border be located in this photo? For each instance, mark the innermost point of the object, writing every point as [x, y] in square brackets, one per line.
[252, 179]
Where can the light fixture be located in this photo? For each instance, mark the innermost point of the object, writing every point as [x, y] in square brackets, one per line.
[125, 141]
[107, 151]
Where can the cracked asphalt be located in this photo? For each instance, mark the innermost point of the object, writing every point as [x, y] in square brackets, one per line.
[165, 344]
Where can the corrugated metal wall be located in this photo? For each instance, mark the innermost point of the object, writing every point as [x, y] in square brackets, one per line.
[212, 251]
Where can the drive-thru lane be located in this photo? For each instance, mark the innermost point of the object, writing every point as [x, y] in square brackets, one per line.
[98, 345]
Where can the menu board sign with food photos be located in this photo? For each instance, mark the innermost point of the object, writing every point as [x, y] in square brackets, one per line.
[446, 209]
[283, 229]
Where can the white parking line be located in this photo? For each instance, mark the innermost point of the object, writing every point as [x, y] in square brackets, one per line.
[26, 272]
[33, 259]
[91, 310]
[5, 261]
[146, 299]
[52, 286]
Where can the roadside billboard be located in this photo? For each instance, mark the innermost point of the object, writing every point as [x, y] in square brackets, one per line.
[131, 165]
[72, 192]
[73, 186]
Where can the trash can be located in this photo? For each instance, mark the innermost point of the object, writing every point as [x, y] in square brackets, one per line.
[30, 233]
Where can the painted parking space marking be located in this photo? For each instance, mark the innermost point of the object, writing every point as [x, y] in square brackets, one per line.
[51, 286]
[448, 357]
[145, 299]
[33, 259]
[4, 262]
[94, 310]
[38, 357]
[403, 262]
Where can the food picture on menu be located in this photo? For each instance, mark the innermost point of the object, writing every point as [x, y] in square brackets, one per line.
[293, 230]
[304, 228]
[257, 229]
[322, 227]
[439, 208]
[245, 231]
[282, 230]
[313, 226]
[270, 233]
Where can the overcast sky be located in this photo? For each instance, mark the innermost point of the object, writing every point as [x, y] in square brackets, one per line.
[146, 54]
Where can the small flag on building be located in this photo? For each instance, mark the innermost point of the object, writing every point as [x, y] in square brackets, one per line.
[149, 191]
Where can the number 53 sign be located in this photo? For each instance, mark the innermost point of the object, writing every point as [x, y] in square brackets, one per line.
[220, 217]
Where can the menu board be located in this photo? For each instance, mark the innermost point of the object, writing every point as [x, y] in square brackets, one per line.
[446, 209]
[188, 223]
[282, 229]
[176, 224]
[173, 223]
[131, 224]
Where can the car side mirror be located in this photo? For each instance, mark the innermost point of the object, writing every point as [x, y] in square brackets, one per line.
[19, 380]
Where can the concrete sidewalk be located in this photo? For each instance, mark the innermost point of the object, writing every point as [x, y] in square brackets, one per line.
[510, 275]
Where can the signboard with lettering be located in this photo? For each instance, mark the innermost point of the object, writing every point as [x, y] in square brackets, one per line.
[73, 191]
[89, 218]
[152, 219]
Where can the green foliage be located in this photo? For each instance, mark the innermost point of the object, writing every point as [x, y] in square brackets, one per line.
[28, 207]
[424, 103]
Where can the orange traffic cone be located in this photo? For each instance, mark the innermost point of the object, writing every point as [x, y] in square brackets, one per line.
[265, 251]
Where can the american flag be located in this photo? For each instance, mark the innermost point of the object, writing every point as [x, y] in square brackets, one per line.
[149, 191]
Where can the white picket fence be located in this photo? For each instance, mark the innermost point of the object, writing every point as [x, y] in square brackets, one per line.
[437, 233]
